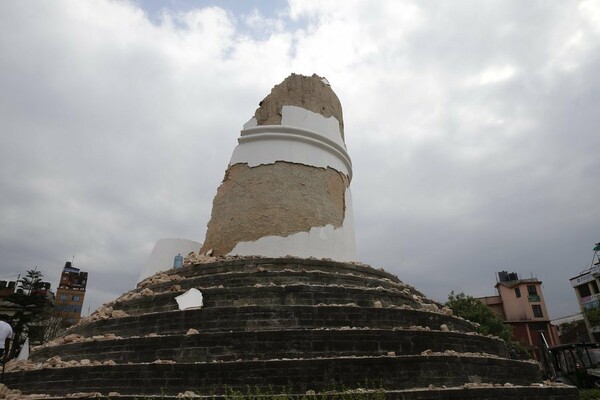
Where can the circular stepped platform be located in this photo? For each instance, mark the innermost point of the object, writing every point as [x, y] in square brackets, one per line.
[286, 324]
[259, 318]
[266, 345]
[297, 375]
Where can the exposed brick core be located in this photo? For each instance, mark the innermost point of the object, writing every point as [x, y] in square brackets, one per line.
[278, 199]
[308, 92]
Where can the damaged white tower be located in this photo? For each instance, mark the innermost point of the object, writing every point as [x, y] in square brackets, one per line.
[286, 190]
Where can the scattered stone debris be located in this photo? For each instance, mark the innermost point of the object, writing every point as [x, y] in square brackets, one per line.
[118, 314]
[21, 365]
[84, 395]
[447, 311]
[194, 258]
[159, 277]
[429, 306]
[187, 395]
[419, 328]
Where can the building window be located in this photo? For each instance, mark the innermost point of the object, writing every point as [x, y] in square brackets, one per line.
[584, 290]
[537, 311]
[594, 286]
[531, 290]
[518, 292]
[63, 297]
[76, 297]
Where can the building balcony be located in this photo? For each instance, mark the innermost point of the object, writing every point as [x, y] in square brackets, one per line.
[534, 298]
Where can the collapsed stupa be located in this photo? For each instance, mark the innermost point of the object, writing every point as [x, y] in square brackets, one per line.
[274, 300]
[287, 188]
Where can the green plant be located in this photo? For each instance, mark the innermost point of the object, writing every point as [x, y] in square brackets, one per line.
[474, 310]
[589, 394]
[593, 316]
[256, 393]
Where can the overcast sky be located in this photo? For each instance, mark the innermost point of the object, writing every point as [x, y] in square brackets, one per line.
[473, 128]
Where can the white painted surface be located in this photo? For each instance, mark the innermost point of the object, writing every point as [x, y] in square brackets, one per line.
[302, 118]
[163, 254]
[251, 122]
[304, 137]
[190, 299]
[24, 353]
[320, 242]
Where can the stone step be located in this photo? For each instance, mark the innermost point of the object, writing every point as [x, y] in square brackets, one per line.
[261, 318]
[299, 375]
[484, 392]
[265, 295]
[250, 264]
[302, 343]
[471, 392]
[277, 277]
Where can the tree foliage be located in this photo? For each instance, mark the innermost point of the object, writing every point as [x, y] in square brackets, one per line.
[37, 318]
[31, 281]
[474, 310]
[593, 316]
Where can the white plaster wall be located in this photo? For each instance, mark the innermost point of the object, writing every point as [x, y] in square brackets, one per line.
[304, 137]
[163, 253]
[320, 242]
[303, 118]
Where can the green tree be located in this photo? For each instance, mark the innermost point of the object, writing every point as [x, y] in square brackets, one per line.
[31, 281]
[36, 314]
[474, 310]
[593, 316]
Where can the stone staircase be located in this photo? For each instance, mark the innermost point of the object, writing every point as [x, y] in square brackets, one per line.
[283, 325]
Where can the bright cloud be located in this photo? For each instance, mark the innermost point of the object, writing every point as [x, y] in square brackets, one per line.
[472, 130]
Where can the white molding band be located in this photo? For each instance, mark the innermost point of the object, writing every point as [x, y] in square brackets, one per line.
[299, 143]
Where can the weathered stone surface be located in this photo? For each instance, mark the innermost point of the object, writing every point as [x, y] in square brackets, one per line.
[308, 92]
[273, 200]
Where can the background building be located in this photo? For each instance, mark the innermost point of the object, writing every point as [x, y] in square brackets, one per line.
[588, 296]
[520, 303]
[571, 328]
[71, 293]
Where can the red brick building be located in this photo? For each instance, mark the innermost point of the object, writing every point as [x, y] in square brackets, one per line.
[71, 293]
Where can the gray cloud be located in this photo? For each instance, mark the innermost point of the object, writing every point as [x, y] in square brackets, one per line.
[471, 128]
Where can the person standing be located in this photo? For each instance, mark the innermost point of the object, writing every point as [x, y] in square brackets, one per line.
[6, 333]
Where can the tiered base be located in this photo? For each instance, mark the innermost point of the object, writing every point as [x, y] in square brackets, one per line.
[280, 325]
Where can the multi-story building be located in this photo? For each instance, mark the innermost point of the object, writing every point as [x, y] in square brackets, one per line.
[520, 303]
[586, 289]
[71, 293]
